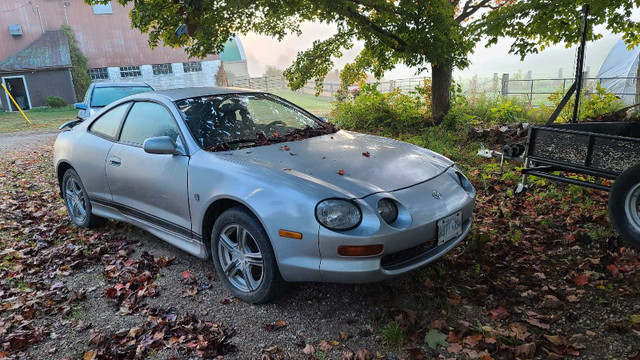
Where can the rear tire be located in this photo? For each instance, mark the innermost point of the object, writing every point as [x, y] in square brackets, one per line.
[243, 257]
[77, 201]
[624, 206]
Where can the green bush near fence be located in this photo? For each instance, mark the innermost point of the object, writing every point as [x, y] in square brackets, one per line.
[390, 113]
[56, 102]
[399, 114]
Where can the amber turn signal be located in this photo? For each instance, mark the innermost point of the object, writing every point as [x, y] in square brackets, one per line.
[368, 250]
[290, 234]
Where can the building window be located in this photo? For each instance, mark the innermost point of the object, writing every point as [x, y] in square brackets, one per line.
[99, 73]
[130, 71]
[162, 69]
[192, 66]
[102, 9]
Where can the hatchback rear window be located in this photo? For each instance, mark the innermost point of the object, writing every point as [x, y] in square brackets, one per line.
[103, 96]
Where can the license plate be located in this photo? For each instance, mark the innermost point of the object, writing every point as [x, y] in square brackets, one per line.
[449, 228]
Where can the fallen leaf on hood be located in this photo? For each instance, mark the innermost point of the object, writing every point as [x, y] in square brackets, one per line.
[340, 172]
[366, 154]
[285, 148]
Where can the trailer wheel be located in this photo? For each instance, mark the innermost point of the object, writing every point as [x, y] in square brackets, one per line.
[624, 205]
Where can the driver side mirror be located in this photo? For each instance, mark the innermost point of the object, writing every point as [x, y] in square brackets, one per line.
[80, 106]
[160, 145]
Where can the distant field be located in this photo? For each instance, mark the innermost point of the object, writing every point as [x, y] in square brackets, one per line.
[41, 119]
[320, 105]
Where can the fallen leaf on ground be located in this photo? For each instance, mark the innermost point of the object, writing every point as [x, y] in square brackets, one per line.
[435, 338]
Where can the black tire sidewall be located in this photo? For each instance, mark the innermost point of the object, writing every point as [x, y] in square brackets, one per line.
[617, 202]
[272, 280]
[87, 204]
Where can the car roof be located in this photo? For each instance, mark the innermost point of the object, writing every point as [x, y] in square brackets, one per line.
[192, 92]
[120, 84]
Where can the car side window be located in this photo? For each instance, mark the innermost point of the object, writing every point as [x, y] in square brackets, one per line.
[109, 122]
[147, 120]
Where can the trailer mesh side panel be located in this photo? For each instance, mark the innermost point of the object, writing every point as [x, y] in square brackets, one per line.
[565, 147]
[614, 155]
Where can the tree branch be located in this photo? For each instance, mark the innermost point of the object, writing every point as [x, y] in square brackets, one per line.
[397, 43]
[469, 9]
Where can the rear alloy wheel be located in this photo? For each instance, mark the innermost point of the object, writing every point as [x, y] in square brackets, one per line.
[624, 205]
[244, 258]
[77, 201]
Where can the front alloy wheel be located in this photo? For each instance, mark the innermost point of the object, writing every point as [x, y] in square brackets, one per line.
[77, 201]
[243, 257]
[240, 258]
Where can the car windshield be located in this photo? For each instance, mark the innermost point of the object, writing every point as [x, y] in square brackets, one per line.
[233, 121]
[103, 96]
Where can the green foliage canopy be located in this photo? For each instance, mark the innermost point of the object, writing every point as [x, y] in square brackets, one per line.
[416, 33]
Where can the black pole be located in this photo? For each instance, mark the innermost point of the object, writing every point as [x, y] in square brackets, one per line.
[580, 65]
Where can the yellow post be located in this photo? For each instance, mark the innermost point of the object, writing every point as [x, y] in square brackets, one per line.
[15, 103]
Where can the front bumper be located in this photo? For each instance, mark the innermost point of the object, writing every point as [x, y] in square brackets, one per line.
[406, 248]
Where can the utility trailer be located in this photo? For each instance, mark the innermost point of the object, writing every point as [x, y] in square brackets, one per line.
[602, 150]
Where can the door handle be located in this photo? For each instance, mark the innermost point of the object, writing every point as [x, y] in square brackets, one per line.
[115, 161]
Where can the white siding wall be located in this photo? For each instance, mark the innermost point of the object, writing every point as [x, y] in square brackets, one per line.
[178, 79]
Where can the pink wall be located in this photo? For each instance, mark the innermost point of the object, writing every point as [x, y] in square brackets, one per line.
[106, 40]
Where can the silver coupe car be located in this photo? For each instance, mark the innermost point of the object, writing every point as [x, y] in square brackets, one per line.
[270, 192]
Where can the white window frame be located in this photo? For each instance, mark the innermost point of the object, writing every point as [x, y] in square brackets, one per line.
[103, 9]
[26, 89]
[130, 70]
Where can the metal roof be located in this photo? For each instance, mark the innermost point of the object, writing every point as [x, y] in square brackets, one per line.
[50, 50]
[185, 93]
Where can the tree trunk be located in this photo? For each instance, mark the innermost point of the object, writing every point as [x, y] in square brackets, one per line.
[440, 91]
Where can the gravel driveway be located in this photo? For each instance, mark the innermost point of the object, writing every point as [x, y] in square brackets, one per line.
[23, 139]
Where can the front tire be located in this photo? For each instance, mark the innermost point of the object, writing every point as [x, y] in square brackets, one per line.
[243, 257]
[77, 201]
[624, 205]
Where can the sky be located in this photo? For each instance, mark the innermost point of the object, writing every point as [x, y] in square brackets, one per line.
[264, 51]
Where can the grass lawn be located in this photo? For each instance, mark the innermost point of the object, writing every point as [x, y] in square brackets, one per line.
[317, 105]
[41, 119]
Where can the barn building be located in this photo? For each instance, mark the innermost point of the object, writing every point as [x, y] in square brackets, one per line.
[35, 60]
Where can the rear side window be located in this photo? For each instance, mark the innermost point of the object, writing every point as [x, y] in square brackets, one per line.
[109, 122]
[147, 120]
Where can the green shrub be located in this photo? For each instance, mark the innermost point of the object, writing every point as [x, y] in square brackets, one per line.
[392, 113]
[56, 102]
[597, 103]
[79, 71]
[600, 102]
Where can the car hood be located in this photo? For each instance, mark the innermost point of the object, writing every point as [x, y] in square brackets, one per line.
[368, 164]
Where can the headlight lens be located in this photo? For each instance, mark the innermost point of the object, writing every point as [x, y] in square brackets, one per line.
[388, 210]
[338, 214]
